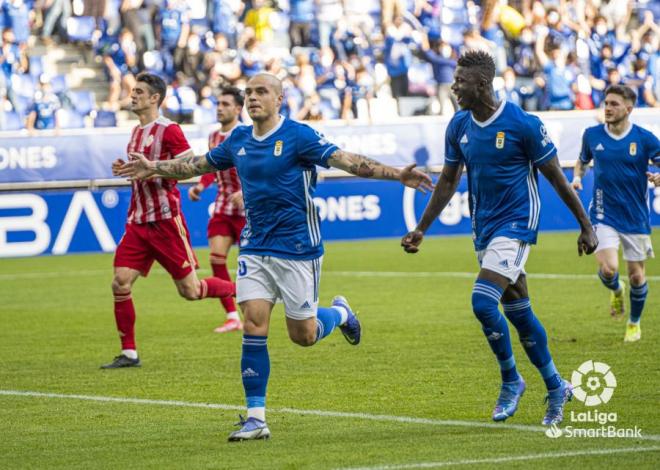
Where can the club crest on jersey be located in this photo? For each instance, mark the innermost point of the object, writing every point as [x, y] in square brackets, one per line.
[499, 140]
[278, 148]
[150, 140]
[633, 149]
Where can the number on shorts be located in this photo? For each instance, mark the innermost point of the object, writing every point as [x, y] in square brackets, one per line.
[242, 268]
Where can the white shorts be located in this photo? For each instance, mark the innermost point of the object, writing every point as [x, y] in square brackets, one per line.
[505, 256]
[636, 247]
[295, 282]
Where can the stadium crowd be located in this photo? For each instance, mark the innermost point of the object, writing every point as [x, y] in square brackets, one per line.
[338, 58]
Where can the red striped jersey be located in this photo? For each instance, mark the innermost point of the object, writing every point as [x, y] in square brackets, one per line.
[156, 199]
[228, 182]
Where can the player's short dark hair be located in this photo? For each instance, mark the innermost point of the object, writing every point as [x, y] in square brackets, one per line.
[624, 91]
[481, 61]
[236, 93]
[155, 84]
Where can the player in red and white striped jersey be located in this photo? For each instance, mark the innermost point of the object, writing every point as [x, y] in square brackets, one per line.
[155, 228]
[228, 217]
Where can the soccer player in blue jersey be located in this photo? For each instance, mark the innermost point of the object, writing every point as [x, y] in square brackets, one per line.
[501, 146]
[619, 209]
[280, 248]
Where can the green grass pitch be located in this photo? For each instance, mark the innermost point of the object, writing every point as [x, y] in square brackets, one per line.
[423, 357]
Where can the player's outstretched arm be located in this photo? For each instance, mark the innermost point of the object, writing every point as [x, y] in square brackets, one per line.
[587, 241]
[187, 166]
[365, 167]
[579, 171]
[442, 194]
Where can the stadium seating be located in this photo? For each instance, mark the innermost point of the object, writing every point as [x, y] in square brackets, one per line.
[105, 119]
[10, 121]
[80, 28]
[70, 119]
[83, 101]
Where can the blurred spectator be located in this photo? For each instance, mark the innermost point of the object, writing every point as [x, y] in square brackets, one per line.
[509, 91]
[130, 19]
[259, 19]
[95, 9]
[398, 56]
[328, 14]
[443, 59]
[300, 22]
[224, 16]
[523, 60]
[173, 29]
[252, 58]
[311, 109]
[16, 16]
[642, 83]
[557, 78]
[55, 16]
[120, 60]
[43, 114]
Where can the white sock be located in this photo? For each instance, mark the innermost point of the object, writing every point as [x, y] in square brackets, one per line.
[343, 312]
[233, 316]
[630, 322]
[130, 353]
[258, 412]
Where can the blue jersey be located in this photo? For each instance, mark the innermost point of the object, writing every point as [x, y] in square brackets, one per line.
[501, 156]
[620, 197]
[278, 176]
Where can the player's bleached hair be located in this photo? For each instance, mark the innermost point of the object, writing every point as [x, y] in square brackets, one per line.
[481, 61]
[155, 84]
[624, 91]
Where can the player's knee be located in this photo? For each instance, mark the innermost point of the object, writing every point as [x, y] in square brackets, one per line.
[189, 292]
[484, 308]
[637, 278]
[608, 270]
[121, 285]
[303, 339]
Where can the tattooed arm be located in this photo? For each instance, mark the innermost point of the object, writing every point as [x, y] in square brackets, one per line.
[187, 166]
[365, 167]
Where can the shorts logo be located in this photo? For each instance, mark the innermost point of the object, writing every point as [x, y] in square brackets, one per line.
[185, 264]
[499, 140]
[305, 305]
[278, 148]
[504, 263]
[633, 149]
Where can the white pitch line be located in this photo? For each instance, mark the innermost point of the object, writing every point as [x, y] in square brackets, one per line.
[331, 414]
[386, 274]
[515, 458]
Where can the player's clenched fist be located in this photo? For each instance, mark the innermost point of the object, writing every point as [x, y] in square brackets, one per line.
[411, 241]
[195, 191]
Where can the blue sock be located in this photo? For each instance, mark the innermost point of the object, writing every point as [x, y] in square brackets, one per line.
[255, 368]
[533, 338]
[485, 302]
[327, 319]
[637, 299]
[612, 283]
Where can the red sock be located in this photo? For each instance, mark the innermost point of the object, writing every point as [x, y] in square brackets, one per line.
[214, 287]
[219, 267]
[125, 318]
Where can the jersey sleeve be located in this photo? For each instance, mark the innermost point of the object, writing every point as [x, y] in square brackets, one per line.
[220, 157]
[174, 142]
[585, 153]
[207, 179]
[313, 147]
[653, 148]
[453, 153]
[539, 148]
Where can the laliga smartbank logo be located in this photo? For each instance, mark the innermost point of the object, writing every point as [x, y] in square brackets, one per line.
[593, 384]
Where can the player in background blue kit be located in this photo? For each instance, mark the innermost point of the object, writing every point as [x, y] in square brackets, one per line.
[501, 146]
[280, 248]
[619, 209]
